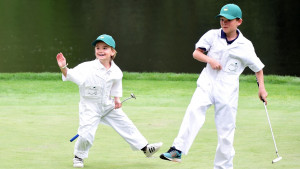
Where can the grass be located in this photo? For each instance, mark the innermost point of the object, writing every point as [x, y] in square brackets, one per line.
[39, 114]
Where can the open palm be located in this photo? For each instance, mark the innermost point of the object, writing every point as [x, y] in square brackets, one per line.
[61, 60]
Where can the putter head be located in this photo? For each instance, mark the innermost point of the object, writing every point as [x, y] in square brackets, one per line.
[132, 96]
[276, 160]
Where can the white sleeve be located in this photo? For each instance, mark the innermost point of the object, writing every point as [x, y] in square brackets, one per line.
[116, 90]
[206, 40]
[76, 74]
[252, 61]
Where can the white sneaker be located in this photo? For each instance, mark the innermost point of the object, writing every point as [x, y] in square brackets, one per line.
[152, 148]
[77, 163]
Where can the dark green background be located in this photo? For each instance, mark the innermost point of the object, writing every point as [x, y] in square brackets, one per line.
[151, 35]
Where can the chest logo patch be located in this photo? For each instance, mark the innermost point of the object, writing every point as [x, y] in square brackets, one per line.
[233, 67]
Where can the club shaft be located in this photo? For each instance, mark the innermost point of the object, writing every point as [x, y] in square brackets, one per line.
[271, 129]
[269, 123]
[126, 99]
[114, 108]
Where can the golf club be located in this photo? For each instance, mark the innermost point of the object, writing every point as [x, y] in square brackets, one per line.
[131, 96]
[278, 157]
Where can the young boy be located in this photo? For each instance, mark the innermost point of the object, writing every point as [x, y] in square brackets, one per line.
[100, 80]
[228, 53]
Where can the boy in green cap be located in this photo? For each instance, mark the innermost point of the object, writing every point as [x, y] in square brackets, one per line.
[228, 53]
[100, 89]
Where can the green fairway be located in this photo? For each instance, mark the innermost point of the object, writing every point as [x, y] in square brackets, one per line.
[39, 115]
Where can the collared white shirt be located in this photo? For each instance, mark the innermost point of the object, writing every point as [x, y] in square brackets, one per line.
[95, 82]
[234, 58]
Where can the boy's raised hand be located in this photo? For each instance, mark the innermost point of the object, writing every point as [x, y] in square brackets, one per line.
[61, 60]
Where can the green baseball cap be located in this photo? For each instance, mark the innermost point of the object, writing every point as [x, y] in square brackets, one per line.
[106, 39]
[230, 11]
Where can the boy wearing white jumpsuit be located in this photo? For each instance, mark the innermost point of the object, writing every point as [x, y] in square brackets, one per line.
[98, 81]
[228, 54]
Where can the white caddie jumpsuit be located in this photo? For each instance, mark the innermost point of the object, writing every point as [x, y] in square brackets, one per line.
[219, 88]
[97, 86]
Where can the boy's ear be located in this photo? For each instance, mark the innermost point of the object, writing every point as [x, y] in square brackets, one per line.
[113, 51]
[240, 21]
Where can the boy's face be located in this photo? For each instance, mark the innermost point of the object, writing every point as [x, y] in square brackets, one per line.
[229, 26]
[103, 52]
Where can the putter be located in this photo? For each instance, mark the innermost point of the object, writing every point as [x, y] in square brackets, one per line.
[131, 96]
[278, 157]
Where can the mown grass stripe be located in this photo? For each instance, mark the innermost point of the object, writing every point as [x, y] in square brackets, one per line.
[274, 79]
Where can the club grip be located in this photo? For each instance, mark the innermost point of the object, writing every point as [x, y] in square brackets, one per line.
[75, 137]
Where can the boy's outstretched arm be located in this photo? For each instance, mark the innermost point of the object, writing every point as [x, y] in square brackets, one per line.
[62, 63]
[199, 55]
[262, 93]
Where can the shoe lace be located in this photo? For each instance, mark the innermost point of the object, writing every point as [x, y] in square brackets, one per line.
[174, 152]
[171, 149]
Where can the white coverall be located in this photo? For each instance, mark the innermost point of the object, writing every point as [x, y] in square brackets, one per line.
[97, 86]
[219, 88]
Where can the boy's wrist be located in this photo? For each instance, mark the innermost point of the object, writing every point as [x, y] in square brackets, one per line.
[209, 60]
[64, 67]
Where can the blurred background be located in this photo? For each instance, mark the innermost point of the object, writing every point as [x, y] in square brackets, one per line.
[150, 35]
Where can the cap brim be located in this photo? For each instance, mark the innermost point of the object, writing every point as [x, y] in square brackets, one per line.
[99, 40]
[96, 41]
[226, 16]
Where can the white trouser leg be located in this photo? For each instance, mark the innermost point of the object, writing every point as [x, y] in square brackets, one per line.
[225, 151]
[82, 147]
[120, 122]
[88, 123]
[225, 118]
[193, 120]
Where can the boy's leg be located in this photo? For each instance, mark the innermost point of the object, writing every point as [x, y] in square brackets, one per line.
[82, 147]
[225, 151]
[88, 124]
[225, 120]
[86, 131]
[193, 120]
[120, 122]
